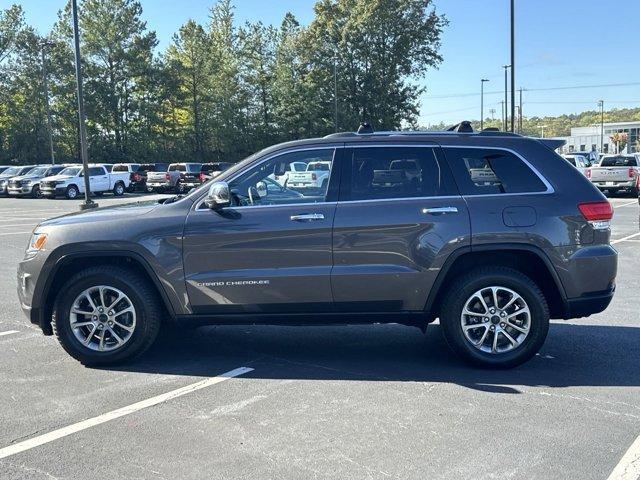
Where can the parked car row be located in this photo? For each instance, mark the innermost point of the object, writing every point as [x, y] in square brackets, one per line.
[67, 180]
[613, 174]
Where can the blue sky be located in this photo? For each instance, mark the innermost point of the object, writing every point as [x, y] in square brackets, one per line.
[559, 43]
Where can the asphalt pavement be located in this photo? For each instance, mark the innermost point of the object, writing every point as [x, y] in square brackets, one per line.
[354, 402]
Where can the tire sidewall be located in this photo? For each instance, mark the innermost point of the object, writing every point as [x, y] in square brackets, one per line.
[73, 345]
[537, 333]
[118, 189]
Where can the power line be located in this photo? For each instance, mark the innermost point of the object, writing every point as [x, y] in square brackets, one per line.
[546, 89]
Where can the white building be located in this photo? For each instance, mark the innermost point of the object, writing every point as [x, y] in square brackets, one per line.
[584, 139]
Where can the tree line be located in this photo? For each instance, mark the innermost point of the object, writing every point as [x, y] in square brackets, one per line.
[220, 90]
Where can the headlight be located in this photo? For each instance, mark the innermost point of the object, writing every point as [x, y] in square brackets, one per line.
[3, 183]
[26, 182]
[36, 243]
[60, 182]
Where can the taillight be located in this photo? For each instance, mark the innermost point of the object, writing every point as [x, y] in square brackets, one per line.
[632, 172]
[135, 177]
[314, 176]
[201, 176]
[167, 176]
[588, 173]
[599, 214]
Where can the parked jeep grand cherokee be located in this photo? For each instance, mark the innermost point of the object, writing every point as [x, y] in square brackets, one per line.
[492, 233]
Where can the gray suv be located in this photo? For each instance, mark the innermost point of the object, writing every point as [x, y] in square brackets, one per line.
[489, 232]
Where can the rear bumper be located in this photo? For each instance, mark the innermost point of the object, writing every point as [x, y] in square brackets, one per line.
[589, 304]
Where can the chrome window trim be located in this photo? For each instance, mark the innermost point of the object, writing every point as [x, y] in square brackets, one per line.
[198, 203]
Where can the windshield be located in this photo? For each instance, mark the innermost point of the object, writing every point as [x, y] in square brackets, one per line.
[39, 171]
[71, 171]
[12, 171]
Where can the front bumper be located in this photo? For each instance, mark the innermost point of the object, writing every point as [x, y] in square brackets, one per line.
[17, 191]
[53, 192]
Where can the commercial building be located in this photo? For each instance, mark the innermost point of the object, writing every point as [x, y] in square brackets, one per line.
[587, 138]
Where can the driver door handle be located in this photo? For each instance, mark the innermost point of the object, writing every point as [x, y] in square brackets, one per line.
[307, 217]
[439, 210]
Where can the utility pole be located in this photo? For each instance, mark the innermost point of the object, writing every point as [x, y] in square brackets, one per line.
[84, 152]
[513, 65]
[335, 92]
[482, 102]
[44, 44]
[492, 111]
[504, 123]
[506, 102]
[520, 114]
[601, 105]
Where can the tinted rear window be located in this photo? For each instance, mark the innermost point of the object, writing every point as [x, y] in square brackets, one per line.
[620, 161]
[120, 168]
[490, 171]
[177, 168]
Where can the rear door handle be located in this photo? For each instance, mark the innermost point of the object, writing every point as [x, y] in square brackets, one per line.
[439, 210]
[306, 217]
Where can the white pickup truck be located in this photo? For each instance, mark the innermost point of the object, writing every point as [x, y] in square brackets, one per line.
[616, 173]
[315, 177]
[70, 182]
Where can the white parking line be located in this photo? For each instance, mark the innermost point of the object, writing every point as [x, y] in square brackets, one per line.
[629, 466]
[628, 237]
[8, 332]
[15, 233]
[635, 202]
[120, 412]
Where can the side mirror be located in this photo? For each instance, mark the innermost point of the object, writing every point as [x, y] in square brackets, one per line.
[219, 196]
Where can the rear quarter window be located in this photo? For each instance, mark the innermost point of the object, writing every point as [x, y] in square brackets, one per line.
[491, 171]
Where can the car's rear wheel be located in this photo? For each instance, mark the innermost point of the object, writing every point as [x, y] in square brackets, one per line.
[495, 317]
[106, 315]
[35, 192]
[118, 189]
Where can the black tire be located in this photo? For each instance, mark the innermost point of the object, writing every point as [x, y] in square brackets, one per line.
[635, 192]
[118, 189]
[72, 192]
[35, 192]
[179, 187]
[464, 287]
[143, 297]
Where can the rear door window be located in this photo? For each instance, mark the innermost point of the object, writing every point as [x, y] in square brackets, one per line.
[480, 171]
[120, 168]
[96, 171]
[394, 172]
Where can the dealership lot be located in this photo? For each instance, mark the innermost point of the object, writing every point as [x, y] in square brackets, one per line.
[350, 402]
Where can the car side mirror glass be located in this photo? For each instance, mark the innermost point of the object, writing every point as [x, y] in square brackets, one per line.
[280, 169]
[219, 196]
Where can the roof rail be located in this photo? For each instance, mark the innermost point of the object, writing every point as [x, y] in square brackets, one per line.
[462, 127]
[341, 134]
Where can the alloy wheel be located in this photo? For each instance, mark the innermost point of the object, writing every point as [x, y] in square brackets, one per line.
[102, 318]
[495, 319]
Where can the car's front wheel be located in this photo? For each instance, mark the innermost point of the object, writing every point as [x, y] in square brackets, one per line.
[495, 317]
[72, 192]
[106, 315]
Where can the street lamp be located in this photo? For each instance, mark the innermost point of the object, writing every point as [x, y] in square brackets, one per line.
[84, 153]
[482, 102]
[43, 45]
[542, 127]
[506, 102]
[601, 105]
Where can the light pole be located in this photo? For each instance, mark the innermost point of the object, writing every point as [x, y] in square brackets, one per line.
[482, 102]
[513, 67]
[44, 44]
[84, 153]
[601, 105]
[506, 102]
[492, 111]
[542, 127]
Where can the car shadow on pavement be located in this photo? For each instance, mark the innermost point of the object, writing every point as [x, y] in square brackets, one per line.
[573, 355]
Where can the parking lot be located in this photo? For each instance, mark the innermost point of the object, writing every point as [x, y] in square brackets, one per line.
[341, 402]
